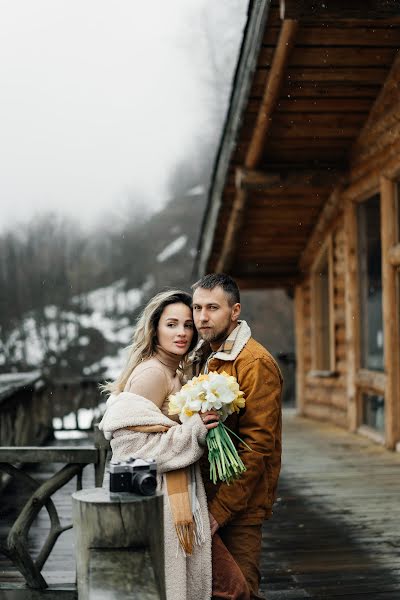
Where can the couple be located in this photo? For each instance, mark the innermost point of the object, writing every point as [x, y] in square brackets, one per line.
[198, 515]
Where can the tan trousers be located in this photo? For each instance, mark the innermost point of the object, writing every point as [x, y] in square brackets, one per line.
[244, 543]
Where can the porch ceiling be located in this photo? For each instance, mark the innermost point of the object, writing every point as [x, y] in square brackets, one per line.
[329, 80]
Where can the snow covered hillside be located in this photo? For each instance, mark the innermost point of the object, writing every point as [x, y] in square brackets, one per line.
[97, 326]
[87, 333]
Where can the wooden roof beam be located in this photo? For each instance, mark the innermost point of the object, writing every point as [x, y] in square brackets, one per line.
[270, 98]
[339, 10]
[320, 178]
[261, 282]
[252, 42]
[235, 222]
[272, 92]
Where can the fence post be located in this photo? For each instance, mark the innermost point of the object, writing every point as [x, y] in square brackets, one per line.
[119, 546]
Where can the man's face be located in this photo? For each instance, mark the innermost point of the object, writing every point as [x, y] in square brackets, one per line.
[214, 316]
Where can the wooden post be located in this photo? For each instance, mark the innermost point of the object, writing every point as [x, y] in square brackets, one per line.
[103, 446]
[119, 546]
[299, 332]
[391, 325]
[352, 314]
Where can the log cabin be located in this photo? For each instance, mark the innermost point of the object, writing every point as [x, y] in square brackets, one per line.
[305, 196]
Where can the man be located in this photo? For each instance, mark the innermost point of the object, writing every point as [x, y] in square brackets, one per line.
[237, 511]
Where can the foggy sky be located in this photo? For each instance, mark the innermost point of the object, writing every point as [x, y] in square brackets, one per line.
[99, 99]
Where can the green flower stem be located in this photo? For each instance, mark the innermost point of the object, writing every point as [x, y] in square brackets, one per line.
[235, 434]
[225, 462]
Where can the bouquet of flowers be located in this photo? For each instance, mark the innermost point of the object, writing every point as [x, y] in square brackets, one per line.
[219, 392]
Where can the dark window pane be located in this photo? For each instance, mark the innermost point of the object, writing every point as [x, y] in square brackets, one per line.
[369, 246]
[374, 411]
[322, 316]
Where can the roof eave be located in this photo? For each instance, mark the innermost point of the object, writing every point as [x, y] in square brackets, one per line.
[247, 63]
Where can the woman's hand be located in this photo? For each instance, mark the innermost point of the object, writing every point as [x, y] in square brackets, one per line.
[210, 419]
[213, 524]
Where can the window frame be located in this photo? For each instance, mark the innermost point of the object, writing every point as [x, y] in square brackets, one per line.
[326, 251]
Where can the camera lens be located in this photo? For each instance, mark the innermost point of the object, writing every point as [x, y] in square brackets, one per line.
[144, 484]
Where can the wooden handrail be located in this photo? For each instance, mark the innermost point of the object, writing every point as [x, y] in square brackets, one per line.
[74, 459]
[38, 454]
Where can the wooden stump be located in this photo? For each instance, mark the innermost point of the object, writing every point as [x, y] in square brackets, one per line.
[119, 546]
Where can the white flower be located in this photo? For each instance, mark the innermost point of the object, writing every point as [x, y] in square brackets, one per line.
[214, 391]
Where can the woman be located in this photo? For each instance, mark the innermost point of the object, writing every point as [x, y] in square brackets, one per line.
[137, 419]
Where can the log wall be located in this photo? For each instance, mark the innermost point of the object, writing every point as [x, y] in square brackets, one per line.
[374, 167]
[324, 397]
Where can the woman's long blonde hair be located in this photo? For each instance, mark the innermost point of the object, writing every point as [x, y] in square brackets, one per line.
[144, 341]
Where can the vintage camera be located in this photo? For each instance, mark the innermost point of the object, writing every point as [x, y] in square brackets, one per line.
[133, 476]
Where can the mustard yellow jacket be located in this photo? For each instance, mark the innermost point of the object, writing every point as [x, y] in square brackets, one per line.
[259, 424]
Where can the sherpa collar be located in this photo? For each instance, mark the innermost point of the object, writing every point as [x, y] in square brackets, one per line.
[234, 343]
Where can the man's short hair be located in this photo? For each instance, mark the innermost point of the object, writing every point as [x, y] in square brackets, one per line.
[213, 280]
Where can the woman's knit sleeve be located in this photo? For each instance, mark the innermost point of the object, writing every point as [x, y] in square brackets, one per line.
[181, 446]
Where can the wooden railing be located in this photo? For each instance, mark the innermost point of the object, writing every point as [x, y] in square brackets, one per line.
[27, 414]
[74, 460]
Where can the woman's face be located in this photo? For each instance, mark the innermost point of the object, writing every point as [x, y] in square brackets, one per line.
[175, 328]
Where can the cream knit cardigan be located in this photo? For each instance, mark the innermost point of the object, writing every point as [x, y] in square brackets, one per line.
[187, 578]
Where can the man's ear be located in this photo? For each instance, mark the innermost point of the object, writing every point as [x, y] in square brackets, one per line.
[236, 308]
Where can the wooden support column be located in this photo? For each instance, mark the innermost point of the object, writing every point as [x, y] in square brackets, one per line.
[299, 336]
[271, 95]
[391, 325]
[352, 314]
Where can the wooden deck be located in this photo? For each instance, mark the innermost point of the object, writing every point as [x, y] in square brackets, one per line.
[335, 533]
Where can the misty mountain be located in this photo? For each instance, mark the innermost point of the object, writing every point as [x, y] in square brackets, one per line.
[81, 318]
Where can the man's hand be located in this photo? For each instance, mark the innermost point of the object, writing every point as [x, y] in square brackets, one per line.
[213, 524]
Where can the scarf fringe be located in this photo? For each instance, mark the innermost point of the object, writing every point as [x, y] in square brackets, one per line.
[190, 534]
[186, 536]
[189, 524]
[199, 534]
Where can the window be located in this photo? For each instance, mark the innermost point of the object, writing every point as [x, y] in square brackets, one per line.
[370, 277]
[373, 406]
[322, 317]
